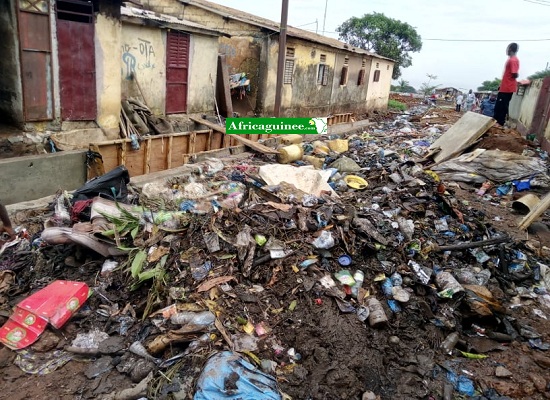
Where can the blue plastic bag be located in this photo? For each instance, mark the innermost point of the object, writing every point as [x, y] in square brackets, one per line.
[227, 375]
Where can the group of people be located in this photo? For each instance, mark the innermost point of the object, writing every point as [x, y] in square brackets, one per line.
[472, 103]
[496, 105]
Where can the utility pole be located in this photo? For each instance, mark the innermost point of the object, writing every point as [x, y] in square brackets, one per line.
[281, 59]
[325, 17]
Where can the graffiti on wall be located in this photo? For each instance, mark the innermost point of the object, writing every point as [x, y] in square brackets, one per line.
[141, 56]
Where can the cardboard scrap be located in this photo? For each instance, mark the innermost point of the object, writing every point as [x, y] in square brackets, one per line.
[307, 179]
[460, 136]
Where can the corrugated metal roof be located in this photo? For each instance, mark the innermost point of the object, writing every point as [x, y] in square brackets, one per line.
[168, 19]
[252, 19]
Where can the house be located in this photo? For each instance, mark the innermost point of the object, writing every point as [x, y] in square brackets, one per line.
[68, 63]
[448, 92]
[321, 75]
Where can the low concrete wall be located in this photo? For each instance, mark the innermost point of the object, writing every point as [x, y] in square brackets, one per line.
[32, 177]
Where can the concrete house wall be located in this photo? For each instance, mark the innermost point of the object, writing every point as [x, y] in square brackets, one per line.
[144, 48]
[378, 93]
[108, 51]
[253, 48]
[350, 97]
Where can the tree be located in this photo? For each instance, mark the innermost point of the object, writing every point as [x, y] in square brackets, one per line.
[403, 86]
[425, 88]
[540, 74]
[386, 36]
[490, 85]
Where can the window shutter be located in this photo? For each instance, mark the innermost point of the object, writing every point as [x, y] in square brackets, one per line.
[288, 72]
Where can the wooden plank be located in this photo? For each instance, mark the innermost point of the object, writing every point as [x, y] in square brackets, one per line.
[192, 142]
[460, 136]
[209, 140]
[121, 153]
[247, 142]
[223, 93]
[169, 153]
[147, 156]
[536, 212]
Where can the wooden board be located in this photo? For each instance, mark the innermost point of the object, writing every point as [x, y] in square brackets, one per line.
[247, 142]
[460, 136]
[536, 212]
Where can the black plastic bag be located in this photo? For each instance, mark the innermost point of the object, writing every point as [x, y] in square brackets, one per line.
[112, 185]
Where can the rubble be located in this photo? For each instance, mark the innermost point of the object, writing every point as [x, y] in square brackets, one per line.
[368, 273]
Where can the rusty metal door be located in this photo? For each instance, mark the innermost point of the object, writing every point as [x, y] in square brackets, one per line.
[177, 66]
[36, 67]
[75, 36]
[542, 110]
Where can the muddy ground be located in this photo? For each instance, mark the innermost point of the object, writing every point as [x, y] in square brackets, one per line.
[339, 357]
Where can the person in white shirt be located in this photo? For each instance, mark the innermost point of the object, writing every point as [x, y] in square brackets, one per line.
[459, 100]
[470, 100]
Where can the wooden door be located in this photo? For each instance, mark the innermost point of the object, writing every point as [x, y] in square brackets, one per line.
[177, 66]
[36, 66]
[75, 36]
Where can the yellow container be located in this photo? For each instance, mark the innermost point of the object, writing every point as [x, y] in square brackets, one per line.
[315, 161]
[291, 139]
[290, 154]
[356, 182]
[338, 145]
[320, 147]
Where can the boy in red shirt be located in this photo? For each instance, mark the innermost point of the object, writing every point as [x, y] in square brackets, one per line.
[508, 86]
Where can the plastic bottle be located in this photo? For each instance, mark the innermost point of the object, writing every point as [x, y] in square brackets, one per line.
[449, 343]
[359, 277]
[203, 318]
[377, 315]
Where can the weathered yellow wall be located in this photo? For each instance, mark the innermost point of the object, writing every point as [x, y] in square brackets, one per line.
[144, 53]
[529, 103]
[350, 97]
[378, 93]
[202, 68]
[107, 58]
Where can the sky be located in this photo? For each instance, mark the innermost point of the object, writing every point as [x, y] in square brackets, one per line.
[460, 64]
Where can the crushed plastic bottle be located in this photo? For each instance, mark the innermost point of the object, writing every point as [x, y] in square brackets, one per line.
[447, 285]
[324, 241]
[204, 318]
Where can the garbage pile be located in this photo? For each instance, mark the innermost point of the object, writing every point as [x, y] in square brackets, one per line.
[343, 268]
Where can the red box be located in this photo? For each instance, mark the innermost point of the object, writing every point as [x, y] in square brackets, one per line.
[54, 304]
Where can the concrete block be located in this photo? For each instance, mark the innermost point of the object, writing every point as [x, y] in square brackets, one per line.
[32, 177]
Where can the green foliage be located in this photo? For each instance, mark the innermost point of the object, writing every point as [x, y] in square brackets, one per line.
[397, 105]
[403, 87]
[540, 74]
[426, 87]
[490, 85]
[386, 36]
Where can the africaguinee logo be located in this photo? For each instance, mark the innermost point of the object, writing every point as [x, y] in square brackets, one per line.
[276, 126]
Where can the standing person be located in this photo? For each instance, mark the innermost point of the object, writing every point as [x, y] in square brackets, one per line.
[508, 86]
[6, 224]
[470, 99]
[459, 100]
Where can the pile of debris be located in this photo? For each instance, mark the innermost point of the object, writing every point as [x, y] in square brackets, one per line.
[339, 268]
